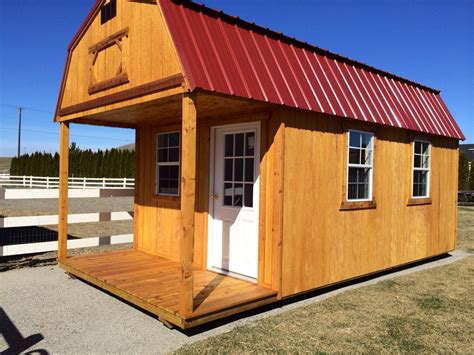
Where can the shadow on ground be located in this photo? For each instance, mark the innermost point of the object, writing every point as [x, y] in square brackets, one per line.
[15, 340]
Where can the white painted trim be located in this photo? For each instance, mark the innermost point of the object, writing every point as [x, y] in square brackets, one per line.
[32, 221]
[413, 169]
[31, 248]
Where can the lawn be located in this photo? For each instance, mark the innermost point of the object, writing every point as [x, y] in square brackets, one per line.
[429, 311]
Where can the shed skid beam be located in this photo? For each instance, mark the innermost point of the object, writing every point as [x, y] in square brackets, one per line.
[188, 201]
[63, 189]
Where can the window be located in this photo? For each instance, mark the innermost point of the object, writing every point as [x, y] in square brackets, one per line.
[239, 169]
[167, 163]
[421, 169]
[359, 171]
[108, 11]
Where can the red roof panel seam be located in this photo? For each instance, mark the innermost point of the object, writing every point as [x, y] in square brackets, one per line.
[270, 48]
[460, 135]
[403, 114]
[216, 54]
[379, 116]
[307, 79]
[234, 59]
[392, 104]
[349, 88]
[319, 82]
[198, 52]
[394, 115]
[374, 97]
[412, 102]
[330, 85]
[294, 75]
[429, 113]
[399, 95]
[430, 127]
[444, 118]
[252, 65]
[266, 68]
[354, 115]
[438, 117]
[349, 68]
[386, 116]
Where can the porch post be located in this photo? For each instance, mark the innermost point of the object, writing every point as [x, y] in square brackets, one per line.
[63, 189]
[188, 200]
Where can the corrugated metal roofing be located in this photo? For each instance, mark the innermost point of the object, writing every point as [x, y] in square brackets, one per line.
[228, 55]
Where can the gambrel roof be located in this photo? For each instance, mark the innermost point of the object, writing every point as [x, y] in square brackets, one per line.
[225, 54]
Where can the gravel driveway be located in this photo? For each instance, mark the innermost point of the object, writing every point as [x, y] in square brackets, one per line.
[49, 206]
[42, 308]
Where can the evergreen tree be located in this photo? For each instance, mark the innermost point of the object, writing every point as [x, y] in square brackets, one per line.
[463, 172]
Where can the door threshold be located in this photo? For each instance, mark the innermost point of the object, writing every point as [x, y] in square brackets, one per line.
[233, 274]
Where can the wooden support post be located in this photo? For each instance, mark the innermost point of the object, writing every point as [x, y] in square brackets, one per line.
[188, 201]
[63, 189]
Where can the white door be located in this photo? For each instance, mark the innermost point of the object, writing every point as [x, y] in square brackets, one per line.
[233, 220]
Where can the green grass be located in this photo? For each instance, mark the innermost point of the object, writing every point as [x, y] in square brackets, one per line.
[429, 311]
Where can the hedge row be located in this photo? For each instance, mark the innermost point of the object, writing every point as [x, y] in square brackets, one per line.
[111, 163]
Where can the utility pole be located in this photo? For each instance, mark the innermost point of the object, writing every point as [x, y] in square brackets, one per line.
[19, 129]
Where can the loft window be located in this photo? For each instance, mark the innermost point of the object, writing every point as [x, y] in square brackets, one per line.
[360, 166]
[421, 169]
[167, 163]
[108, 11]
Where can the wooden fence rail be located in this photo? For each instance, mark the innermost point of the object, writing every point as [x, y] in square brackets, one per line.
[50, 182]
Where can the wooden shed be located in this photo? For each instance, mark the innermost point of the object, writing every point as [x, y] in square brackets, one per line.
[266, 167]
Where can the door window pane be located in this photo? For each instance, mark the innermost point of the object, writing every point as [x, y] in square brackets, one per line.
[239, 145]
[229, 145]
[238, 194]
[239, 167]
[248, 193]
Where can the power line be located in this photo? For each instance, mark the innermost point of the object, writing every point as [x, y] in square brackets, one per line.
[29, 108]
[72, 134]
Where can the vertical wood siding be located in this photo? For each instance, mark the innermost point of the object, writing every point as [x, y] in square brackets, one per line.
[323, 245]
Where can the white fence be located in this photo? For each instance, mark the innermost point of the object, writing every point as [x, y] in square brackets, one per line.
[48, 182]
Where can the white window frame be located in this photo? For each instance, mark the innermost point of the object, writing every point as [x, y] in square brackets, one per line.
[174, 163]
[365, 166]
[428, 169]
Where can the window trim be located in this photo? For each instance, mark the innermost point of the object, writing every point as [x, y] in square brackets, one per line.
[426, 198]
[360, 203]
[157, 165]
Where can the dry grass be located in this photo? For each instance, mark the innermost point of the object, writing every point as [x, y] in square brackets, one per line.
[429, 312]
[5, 164]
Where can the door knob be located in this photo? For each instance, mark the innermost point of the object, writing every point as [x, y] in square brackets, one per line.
[215, 197]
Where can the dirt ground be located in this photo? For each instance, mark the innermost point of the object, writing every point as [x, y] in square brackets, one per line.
[48, 206]
[431, 311]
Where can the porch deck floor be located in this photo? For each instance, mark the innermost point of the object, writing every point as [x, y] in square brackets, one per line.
[152, 282]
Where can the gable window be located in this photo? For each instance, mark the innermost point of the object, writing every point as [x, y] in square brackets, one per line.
[360, 166]
[108, 11]
[421, 169]
[167, 163]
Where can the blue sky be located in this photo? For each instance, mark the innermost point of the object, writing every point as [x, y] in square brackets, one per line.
[428, 41]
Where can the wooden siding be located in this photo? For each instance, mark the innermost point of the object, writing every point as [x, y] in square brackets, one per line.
[157, 218]
[323, 244]
[149, 56]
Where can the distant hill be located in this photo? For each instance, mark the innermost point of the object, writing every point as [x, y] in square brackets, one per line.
[127, 147]
[5, 164]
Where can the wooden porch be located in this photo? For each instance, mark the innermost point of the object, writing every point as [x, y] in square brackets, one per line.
[153, 283]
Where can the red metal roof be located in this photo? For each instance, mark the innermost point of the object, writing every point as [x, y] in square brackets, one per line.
[225, 54]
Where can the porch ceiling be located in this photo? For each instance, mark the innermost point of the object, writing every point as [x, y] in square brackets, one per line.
[167, 111]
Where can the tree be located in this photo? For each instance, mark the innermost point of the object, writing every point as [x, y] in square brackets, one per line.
[463, 172]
